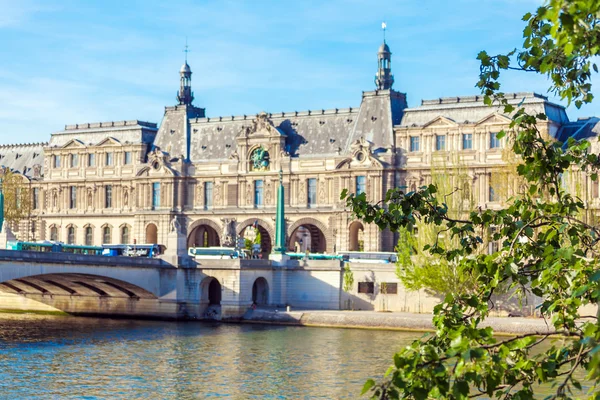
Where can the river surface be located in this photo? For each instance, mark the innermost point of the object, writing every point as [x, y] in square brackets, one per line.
[67, 357]
[51, 357]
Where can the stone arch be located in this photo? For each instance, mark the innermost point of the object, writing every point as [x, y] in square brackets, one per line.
[204, 233]
[260, 292]
[211, 291]
[151, 231]
[354, 232]
[327, 236]
[266, 230]
[43, 281]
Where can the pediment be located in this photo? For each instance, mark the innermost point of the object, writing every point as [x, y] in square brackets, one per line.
[495, 118]
[109, 141]
[440, 122]
[74, 144]
[262, 125]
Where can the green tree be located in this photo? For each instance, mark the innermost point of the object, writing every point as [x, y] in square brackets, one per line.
[415, 268]
[544, 246]
[17, 198]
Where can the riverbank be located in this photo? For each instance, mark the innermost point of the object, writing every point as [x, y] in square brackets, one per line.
[384, 320]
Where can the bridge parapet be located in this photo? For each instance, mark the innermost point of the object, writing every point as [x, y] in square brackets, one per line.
[81, 259]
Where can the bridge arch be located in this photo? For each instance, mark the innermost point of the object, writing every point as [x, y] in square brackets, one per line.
[260, 292]
[211, 291]
[314, 230]
[74, 284]
[267, 233]
[204, 233]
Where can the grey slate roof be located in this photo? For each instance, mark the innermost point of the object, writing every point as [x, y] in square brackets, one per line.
[91, 134]
[472, 109]
[314, 133]
[21, 158]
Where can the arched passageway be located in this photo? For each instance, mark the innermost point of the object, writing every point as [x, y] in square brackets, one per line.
[356, 240]
[204, 236]
[258, 236]
[307, 237]
[260, 292]
[79, 294]
[151, 234]
[214, 292]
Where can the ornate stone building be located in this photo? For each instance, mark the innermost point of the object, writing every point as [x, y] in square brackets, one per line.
[120, 182]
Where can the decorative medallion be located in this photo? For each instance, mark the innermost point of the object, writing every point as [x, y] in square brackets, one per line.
[259, 159]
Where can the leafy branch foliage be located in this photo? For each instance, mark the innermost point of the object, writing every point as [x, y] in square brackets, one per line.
[545, 246]
[17, 198]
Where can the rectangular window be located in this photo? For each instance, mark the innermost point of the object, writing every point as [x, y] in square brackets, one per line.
[155, 195]
[415, 143]
[74, 160]
[361, 184]
[494, 141]
[492, 194]
[35, 201]
[127, 158]
[56, 161]
[467, 141]
[91, 160]
[366, 287]
[388, 288]
[258, 193]
[108, 196]
[595, 189]
[312, 192]
[72, 197]
[208, 195]
[440, 142]
[109, 159]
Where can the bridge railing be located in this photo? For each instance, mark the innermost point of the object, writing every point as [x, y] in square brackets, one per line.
[84, 259]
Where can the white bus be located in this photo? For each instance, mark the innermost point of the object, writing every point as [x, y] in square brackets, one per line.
[375, 257]
[216, 253]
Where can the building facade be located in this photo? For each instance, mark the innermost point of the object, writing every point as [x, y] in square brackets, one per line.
[123, 182]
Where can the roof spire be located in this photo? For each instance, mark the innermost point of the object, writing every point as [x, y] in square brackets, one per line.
[185, 94]
[384, 78]
[186, 51]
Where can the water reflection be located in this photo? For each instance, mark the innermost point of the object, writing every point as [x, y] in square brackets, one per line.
[59, 357]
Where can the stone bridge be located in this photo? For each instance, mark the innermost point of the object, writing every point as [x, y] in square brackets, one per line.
[154, 288]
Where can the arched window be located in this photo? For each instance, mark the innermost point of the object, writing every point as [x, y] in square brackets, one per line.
[106, 235]
[54, 234]
[71, 235]
[89, 238]
[125, 235]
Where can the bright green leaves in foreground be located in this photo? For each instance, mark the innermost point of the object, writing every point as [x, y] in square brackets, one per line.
[546, 246]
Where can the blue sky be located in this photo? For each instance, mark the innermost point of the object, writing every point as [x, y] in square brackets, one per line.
[86, 61]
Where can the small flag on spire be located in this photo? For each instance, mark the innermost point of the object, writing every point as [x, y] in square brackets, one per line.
[383, 25]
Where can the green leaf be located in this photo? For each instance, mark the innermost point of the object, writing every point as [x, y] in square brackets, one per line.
[368, 385]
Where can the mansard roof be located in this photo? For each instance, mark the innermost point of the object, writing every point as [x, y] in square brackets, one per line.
[90, 134]
[313, 133]
[22, 158]
[471, 109]
[583, 128]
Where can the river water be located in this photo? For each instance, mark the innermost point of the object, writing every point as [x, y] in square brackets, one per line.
[68, 357]
[51, 357]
